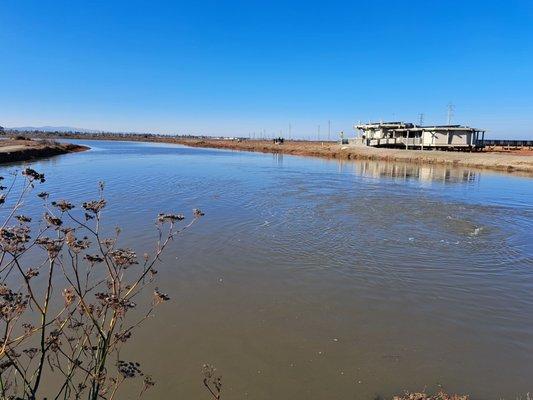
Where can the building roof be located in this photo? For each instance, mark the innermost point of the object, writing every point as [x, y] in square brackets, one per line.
[406, 126]
[388, 124]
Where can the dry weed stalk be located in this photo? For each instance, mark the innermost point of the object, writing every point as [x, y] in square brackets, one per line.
[68, 316]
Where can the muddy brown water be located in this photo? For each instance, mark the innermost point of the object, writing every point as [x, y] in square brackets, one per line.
[320, 279]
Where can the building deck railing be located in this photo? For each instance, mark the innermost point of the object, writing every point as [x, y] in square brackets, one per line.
[508, 143]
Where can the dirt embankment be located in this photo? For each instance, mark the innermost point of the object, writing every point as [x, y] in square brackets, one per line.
[20, 149]
[515, 161]
[518, 161]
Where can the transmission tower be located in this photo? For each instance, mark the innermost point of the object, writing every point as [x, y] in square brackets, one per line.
[451, 111]
[421, 119]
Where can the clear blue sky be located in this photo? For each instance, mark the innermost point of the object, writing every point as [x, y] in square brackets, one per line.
[227, 67]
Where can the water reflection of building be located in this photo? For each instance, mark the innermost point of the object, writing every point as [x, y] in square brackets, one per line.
[401, 171]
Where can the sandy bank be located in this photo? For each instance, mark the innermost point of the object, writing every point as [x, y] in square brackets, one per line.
[514, 162]
[12, 150]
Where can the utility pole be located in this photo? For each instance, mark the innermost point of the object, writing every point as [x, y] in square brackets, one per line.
[290, 128]
[451, 111]
[318, 133]
[329, 130]
[421, 119]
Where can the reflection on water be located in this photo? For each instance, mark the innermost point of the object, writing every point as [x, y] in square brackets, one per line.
[425, 173]
[402, 171]
[314, 279]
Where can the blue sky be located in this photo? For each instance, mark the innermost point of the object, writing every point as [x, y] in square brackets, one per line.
[234, 68]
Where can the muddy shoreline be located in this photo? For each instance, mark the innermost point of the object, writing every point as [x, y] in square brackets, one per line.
[14, 150]
[497, 161]
[515, 162]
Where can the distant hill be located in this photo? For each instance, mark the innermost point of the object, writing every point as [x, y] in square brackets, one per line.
[54, 129]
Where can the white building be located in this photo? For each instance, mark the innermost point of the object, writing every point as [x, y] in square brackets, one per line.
[410, 136]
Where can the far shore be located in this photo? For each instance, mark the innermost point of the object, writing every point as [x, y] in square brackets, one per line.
[520, 162]
[516, 161]
[23, 149]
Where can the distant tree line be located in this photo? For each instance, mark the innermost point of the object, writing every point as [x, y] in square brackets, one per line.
[80, 134]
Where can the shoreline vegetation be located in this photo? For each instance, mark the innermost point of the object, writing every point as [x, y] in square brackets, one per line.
[64, 333]
[517, 161]
[19, 148]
